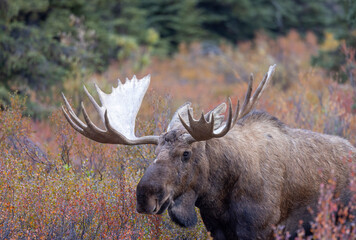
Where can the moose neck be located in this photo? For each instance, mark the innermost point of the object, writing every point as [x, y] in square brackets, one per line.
[220, 172]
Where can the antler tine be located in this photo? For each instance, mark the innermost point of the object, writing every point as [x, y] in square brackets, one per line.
[71, 121]
[260, 89]
[70, 114]
[211, 121]
[228, 124]
[90, 124]
[190, 117]
[247, 97]
[236, 115]
[92, 100]
[186, 126]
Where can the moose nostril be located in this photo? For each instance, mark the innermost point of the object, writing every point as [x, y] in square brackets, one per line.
[140, 204]
[138, 209]
[147, 205]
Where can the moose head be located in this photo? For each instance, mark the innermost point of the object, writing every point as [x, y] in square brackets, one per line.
[175, 179]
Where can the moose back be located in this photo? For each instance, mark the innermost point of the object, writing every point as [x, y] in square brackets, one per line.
[246, 174]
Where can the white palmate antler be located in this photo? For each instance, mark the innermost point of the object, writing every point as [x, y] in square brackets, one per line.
[204, 128]
[118, 114]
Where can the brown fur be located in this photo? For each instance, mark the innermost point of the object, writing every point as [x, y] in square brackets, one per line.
[262, 173]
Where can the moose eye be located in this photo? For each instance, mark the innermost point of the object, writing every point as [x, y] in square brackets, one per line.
[186, 156]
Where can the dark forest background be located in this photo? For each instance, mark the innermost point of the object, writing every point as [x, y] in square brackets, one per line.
[44, 42]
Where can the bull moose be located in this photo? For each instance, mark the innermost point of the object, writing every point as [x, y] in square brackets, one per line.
[246, 174]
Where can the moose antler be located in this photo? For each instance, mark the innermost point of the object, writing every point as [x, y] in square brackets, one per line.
[118, 114]
[203, 129]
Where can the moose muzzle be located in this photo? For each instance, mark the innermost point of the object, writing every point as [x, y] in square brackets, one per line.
[151, 194]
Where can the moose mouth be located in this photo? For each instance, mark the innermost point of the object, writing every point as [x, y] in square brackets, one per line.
[160, 208]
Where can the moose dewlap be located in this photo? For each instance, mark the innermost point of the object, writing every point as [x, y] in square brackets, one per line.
[246, 174]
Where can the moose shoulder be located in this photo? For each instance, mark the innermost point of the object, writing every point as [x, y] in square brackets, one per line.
[246, 174]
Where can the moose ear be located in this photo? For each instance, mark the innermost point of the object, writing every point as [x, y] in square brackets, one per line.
[183, 111]
[182, 212]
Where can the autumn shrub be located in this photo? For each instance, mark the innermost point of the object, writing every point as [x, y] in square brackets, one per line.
[334, 221]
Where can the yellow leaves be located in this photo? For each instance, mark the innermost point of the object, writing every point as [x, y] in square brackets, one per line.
[312, 98]
[330, 43]
[152, 36]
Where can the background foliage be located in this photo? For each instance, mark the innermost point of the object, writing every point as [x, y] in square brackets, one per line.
[55, 183]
